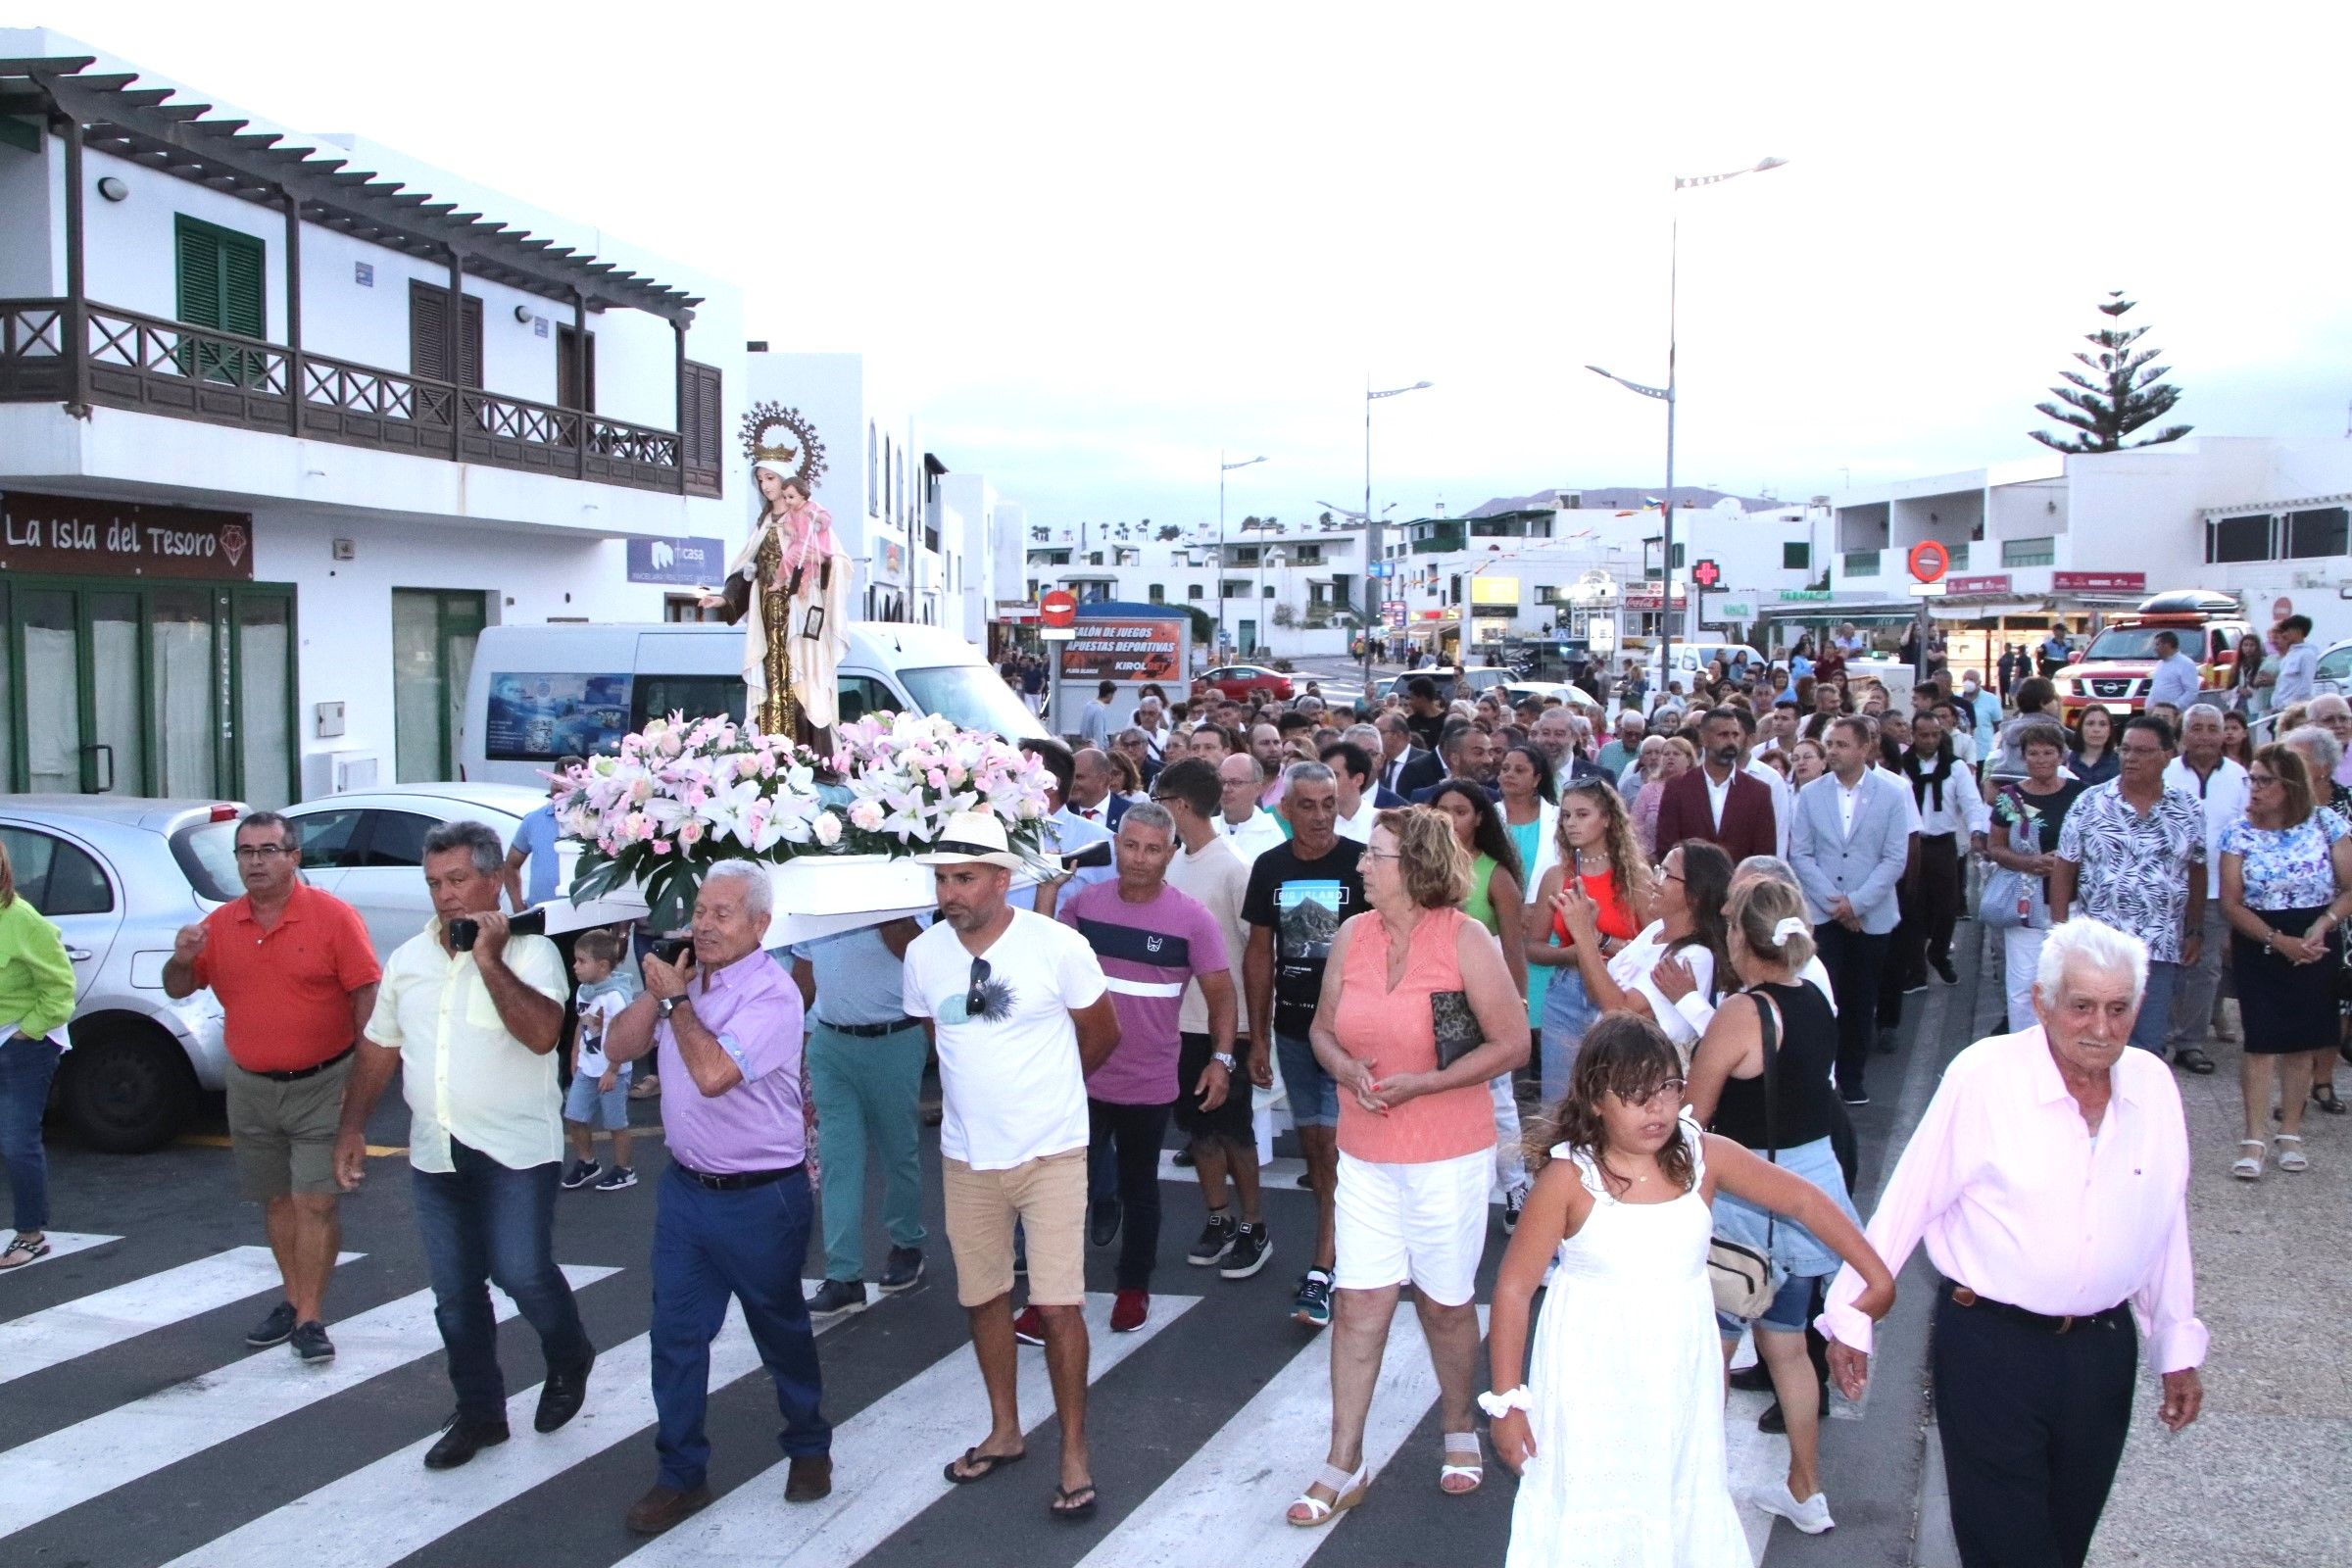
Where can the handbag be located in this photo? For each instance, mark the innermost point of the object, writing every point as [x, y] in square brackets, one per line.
[1453, 1026]
[1743, 1277]
[2007, 897]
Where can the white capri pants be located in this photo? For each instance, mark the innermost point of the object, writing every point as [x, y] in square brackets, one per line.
[2021, 957]
[1510, 1144]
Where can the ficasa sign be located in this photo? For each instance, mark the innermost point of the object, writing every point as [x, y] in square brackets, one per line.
[74, 535]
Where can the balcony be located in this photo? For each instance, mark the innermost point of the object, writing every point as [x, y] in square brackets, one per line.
[123, 360]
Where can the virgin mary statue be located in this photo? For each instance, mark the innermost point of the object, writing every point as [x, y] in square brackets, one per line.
[789, 585]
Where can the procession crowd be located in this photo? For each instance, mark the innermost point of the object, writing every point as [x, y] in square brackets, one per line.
[1628, 976]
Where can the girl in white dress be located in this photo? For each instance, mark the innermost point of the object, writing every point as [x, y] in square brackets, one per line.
[1617, 1432]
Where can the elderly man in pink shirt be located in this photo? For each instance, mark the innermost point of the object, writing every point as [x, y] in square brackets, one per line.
[2049, 1179]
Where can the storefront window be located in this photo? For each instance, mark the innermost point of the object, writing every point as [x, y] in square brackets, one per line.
[114, 693]
[184, 683]
[265, 699]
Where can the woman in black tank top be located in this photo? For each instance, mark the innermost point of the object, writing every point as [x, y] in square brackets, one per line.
[1761, 1077]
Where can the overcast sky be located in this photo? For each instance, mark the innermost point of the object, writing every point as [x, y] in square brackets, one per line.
[1099, 242]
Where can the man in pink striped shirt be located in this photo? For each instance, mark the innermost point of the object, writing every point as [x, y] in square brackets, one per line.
[2049, 1180]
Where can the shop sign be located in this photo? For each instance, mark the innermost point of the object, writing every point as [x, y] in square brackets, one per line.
[2099, 582]
[678, 563]
[1990, 583]
[1107, 648]
[1804, 596]
[122, 539]
[1652, 598]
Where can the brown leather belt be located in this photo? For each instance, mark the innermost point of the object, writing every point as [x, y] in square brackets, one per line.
[2112, 1317]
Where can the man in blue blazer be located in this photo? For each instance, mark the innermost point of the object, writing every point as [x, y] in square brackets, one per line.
[1092, 796]
[1849, 846]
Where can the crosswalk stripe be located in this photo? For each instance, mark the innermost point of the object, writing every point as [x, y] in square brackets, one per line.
[382, 1512]
[62, 1244]
[1751, 1458]
[57, 1334]
[888, 1459]
[51, 1474]
[1229, 1493]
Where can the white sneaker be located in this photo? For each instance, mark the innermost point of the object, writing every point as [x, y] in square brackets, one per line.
[1812, 1516]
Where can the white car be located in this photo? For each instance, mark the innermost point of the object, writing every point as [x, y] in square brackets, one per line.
[119, 876]
[1576, 697]
[2334, 675]
[367, 848]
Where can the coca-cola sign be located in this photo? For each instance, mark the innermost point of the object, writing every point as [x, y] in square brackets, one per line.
[80, 536]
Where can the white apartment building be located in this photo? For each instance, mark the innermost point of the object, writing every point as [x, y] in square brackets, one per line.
[1537, 565]
[263, 485]
[2073, 537]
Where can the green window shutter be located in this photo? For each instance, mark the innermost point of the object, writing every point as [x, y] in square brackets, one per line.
[198, 275]
[221, 283]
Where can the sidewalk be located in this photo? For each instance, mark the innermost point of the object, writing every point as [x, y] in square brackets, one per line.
[2261, 1478]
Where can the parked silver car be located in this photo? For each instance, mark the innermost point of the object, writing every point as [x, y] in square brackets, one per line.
[119, 877]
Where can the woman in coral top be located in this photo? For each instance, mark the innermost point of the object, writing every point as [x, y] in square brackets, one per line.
[1416, 1139]
[1597, 840]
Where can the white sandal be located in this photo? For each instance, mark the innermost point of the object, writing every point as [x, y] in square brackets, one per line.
[2248, 1167]
[1346, 1491]
[1475, 1471]
[2290, 1158]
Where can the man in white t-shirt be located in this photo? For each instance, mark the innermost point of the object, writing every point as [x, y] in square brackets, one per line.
[1021, 1012]
[1241, 822]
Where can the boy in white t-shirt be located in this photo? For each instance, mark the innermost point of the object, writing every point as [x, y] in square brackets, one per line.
[600, 1087]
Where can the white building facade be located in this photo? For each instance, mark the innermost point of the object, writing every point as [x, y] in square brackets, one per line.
[262, 485]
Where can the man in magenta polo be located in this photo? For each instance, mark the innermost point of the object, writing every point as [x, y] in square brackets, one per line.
[296, 980]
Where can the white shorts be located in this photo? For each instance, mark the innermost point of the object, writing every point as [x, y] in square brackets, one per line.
[1424, 1222]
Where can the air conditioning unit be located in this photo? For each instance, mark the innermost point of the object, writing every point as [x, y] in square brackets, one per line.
[351, 770]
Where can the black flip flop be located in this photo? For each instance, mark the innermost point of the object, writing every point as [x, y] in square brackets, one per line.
[989, 1463]
[2188, 1058]
[1068, 1512]
[2323, 1097]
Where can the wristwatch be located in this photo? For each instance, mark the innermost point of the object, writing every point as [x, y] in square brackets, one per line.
[667, 1006]
[1224, 1059]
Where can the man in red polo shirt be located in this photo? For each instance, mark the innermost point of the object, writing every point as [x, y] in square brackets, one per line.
[296, 979]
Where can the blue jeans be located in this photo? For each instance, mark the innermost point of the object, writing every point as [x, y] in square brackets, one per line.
[483, 1222]
[707, 1247]
[868, 1097]
[26, 1068]
[2156, 1007]
[1568, 1011]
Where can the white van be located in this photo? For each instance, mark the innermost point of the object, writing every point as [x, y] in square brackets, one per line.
[537, 693]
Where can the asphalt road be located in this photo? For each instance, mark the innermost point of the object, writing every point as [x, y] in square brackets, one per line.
[136, 1430]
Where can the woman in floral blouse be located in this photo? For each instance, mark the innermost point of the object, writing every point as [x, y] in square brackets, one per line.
[2036, 804]
[2321, 747]
[2286, 884]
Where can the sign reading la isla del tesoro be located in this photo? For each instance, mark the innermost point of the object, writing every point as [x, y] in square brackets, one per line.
[79, 536]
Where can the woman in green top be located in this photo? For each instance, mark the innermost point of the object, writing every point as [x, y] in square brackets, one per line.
[1531, 816]
[1497, 901]
[36, 998]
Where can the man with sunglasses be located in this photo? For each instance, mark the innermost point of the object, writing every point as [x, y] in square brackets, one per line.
[296, 979]
[1020, 1013]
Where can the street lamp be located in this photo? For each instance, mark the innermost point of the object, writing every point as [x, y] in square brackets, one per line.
[1374, 587]
[1224, 469]
[1666, 395]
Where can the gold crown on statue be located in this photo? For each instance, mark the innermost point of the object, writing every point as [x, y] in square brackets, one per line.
[775, 433]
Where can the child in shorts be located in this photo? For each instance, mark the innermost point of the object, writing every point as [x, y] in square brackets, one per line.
[600, 1087]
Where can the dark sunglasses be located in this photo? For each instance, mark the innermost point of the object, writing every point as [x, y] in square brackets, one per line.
[973, 1001]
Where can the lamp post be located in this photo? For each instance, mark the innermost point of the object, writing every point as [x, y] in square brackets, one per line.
[1376, 587]
[1224, 469]
[1666, 394]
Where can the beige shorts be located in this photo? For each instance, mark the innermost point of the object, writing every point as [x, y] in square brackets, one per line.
[1047, 1195]
[284, 1134]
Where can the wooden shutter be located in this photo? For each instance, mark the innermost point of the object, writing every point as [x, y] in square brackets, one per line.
[428, 335]
[199, 258]
[702, 409]
[576, 371]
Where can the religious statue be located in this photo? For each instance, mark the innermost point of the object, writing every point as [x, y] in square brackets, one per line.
[789, 585]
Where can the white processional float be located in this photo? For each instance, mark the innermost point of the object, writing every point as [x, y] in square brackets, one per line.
[836, 832]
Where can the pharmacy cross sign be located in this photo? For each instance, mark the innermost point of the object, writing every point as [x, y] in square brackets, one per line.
[1706, 574]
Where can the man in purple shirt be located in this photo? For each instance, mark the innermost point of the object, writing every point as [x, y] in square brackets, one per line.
[1151, 940]
[735, 1207]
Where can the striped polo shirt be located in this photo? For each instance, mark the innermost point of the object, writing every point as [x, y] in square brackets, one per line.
[1147, 952]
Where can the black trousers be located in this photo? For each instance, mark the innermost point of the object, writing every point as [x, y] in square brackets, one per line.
[1130, 1136]
[1931, 907]
[2033, 1424]
[1855, 962]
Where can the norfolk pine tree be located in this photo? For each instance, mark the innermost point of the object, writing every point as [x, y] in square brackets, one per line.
[2127, 392]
